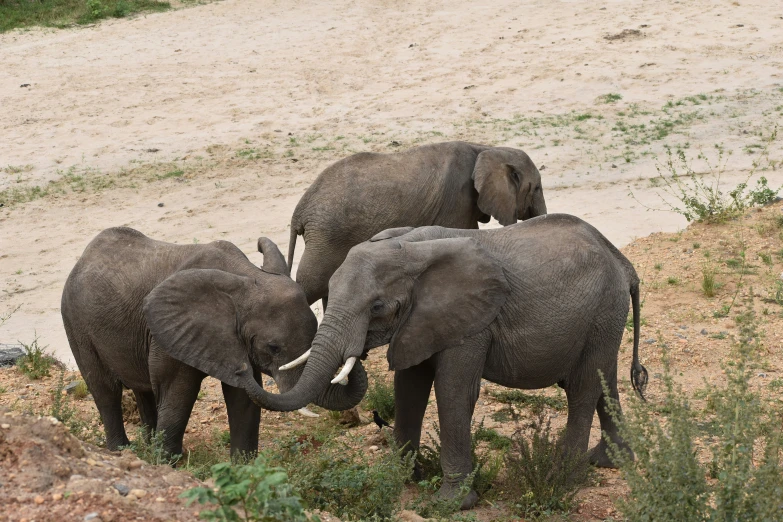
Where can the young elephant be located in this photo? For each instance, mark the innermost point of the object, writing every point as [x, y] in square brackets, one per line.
[526, 306]
[453, 184]
[157, 318]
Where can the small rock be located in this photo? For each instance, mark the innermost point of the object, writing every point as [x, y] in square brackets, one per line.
[38, 499]
[136, 464]
[683, 327]
[5, 426]
[543, 167]
[650, 341]
[373, 448]
[704, 331]
[160, 499]
[122, 489]
[57, 496]
[10, 353]
[95, 517]
[138, 493]
[762, 375]
[614, 166]
[160, 204]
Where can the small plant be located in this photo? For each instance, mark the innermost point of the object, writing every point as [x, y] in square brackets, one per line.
[540, 475]
[36, 361]
[249, 492]
[708, 281]
[696, 246]
[766, 258]
[672, 280]
[610, 98]
[658, 266]
[535, 402]
[61, 409]
[380, 396]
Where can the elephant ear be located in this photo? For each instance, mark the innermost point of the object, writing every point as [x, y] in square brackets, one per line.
[390, 233]
[497, 184]
[193, 317]
[458, 291]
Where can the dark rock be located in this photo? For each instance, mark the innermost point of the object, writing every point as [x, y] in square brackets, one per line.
[10, 353]
[704, 331]
[160, 204]
[122, 488]
[683, 327]
[650, 341]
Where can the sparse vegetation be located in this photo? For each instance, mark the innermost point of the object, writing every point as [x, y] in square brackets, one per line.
[64, 13]
[708, 281]
[380, 396]
[610, 98]
[535, 402]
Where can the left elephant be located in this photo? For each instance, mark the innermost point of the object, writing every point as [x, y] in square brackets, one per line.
[157, 318]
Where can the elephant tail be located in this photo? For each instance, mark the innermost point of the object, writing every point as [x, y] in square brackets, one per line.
[638, 372]
[296, 230]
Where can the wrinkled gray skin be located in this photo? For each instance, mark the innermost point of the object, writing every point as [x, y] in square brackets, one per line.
[453, 184]
[157, 318]
[526, 306]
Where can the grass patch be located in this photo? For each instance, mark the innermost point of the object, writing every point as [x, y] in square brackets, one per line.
[64, 13]
[612, 97]
[708, 281]
[536, 402]
[380, 396]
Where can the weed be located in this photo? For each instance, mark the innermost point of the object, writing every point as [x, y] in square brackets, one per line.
[380, 396]
[172, 174]
[249, 492]
[672, 280]
[494, 439]
[696, 245]
[36, 362]
[658, 266]
[708, 281]
[149, 448]
[766, 258]
[733, 263]
[540, 475]
[7, 315]
[61, 409]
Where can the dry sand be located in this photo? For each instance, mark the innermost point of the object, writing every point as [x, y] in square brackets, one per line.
[233, 92]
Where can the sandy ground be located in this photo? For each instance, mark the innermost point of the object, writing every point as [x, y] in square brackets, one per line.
[252, 98]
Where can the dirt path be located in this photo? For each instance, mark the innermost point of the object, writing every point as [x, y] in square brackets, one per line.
[234, 107]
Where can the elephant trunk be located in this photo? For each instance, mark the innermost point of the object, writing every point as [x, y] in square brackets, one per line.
[313, 385]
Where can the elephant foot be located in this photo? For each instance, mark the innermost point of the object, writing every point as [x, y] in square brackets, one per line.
[599, 456]
[450, 491]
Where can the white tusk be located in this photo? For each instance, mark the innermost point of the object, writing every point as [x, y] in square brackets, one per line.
[296, 362]
[307, 413]
[345, 371]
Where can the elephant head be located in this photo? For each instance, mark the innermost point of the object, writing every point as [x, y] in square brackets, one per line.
[509, 185]
[234, 326]
[421, 292]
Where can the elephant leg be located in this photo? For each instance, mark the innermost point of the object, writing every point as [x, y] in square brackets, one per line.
[582, 389]
[411, 392]
[148, 410]
[457, 382]
[244, 418]
[313, 274]
[599, 455]
[176, 393]
[106, 389]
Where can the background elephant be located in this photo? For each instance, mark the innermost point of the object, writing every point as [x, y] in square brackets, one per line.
[157, 318]
[453, 184]
[525, 306]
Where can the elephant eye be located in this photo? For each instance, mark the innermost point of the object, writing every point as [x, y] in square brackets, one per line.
[275, 349]
[377, 307]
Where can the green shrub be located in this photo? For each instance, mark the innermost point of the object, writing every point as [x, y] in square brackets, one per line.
[249, 492]
[542, 478]
[708, 281]
[148, 446]
[380, 396]
[740, 433]
[535, 402]
[80, 391]
[332, 476]
[37, 361]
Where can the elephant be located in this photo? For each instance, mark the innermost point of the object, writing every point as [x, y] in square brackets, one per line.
[158, 317]
[452, 184]
[534, 304]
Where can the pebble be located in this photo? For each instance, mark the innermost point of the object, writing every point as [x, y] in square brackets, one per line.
[136, 464]
[160, 204]
[762, 375]
[95, 517]
[650, 341]
[57, 496]
[122, 489]
[704, 331]
[38, 499]
[373, 448]
[5, 426]
[138, 493]
[160, 499]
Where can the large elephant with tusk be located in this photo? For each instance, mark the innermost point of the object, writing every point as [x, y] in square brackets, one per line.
[157, 318]
[527, 306]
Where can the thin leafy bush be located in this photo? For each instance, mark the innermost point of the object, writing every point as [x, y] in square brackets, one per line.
[380, 396]
[734, 474]
[249, 492]
[148, 446]
[541, 476]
